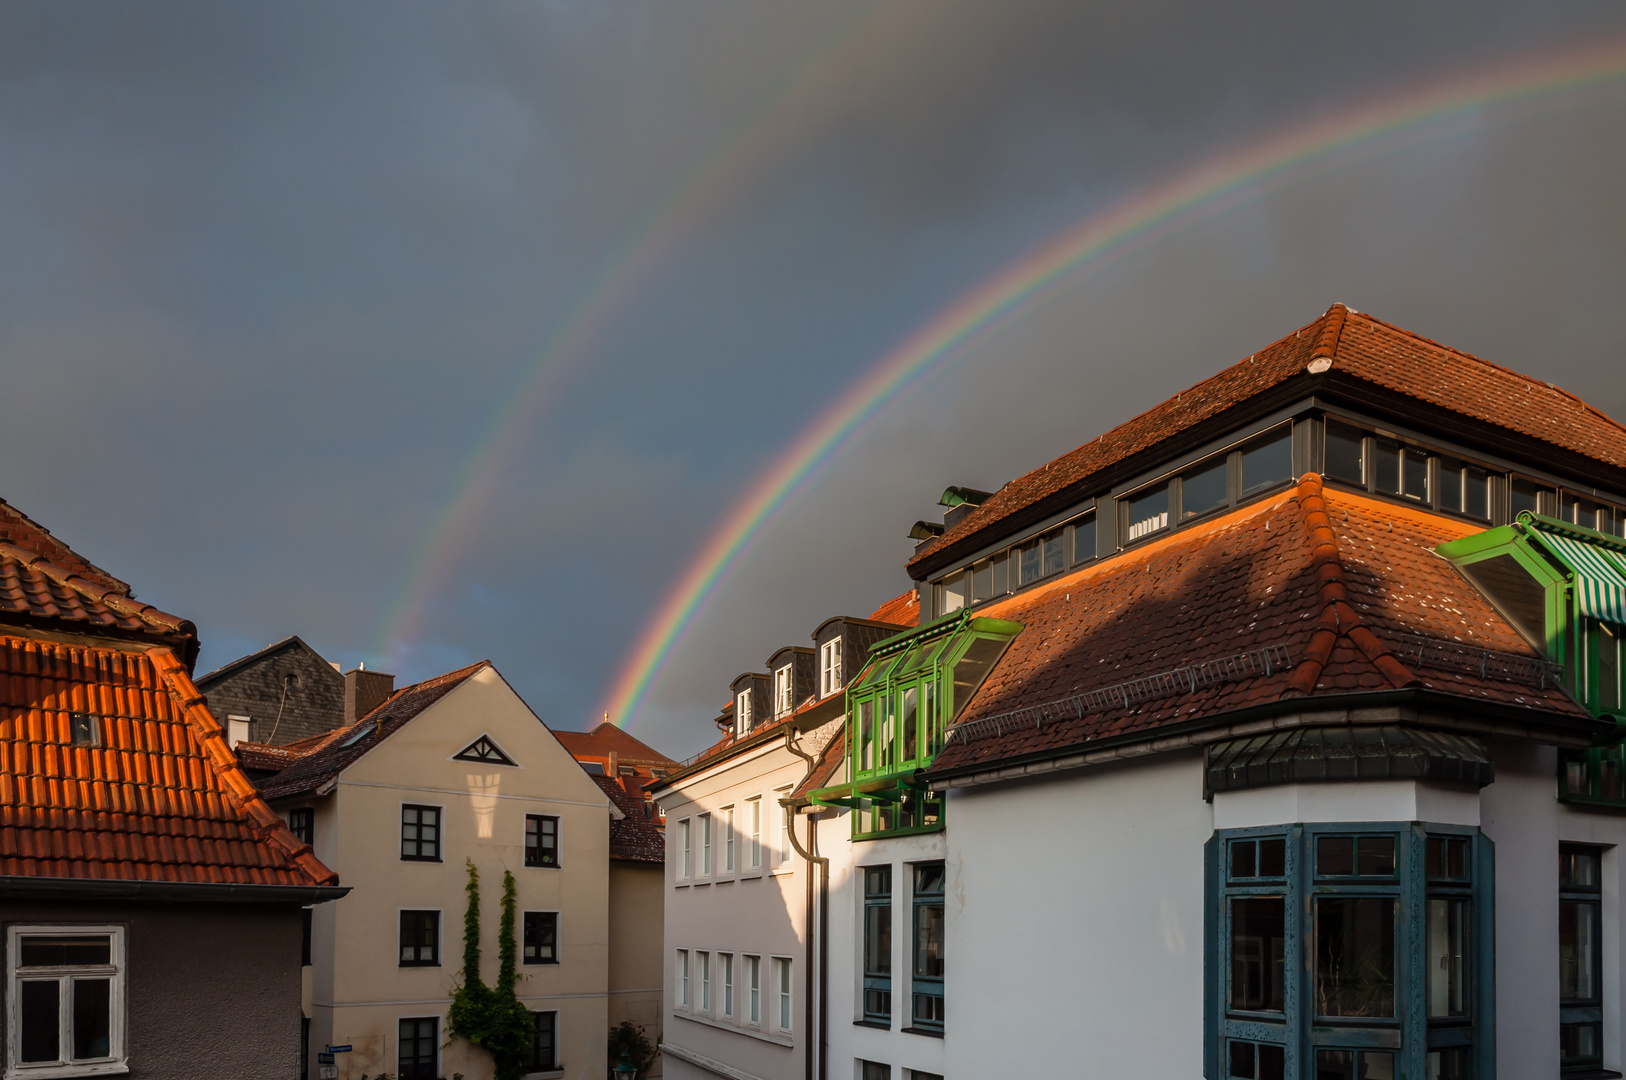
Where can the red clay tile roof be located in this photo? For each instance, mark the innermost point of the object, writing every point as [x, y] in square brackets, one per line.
[160, 800]
[1335, 578]
[1342, 344]
[607, 738]
[901, 610]
[634, 838]
[329, 755]
[41, 580]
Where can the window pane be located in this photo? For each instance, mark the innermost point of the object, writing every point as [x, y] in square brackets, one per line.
[1055, 553]
[92, 1012]
[1415, 480]
[1578, 869]
[1386, 466]
[1448, 951]
[1244, 858]
[929, 940]
[1273, 858]
[1578, 950]
[542, 1040]
[953, 596]
[1580, 1044]
[1148, 511]
[1451, 484]
[1268, 464]
[1345, 458]
[1354, 1065]
[1334, 856]
[1476, 493]
[1376, 856]
[1204, 489]
[1084, 540]
[982, 580]
[1355, 956]
[911, 723]
[1450, 1065]
[1258, 948]
[1030, 564]
[65, 951]
[41, 1004]
[1525, 496]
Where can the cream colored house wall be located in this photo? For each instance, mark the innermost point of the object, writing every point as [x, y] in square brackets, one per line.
[760, 913]
[359, 991]
[636, 928]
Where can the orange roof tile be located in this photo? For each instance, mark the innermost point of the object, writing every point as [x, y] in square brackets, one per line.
[902, 610]
[1339, 347]
[607, 738]
[160, 799]
[1339, 581]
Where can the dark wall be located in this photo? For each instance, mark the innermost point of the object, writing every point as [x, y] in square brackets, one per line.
[314, 705]
[212, 990]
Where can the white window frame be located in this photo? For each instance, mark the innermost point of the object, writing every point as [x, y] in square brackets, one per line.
[685, 841]
[683, 978]
[702, 963]
[115, 970]
[742, 712]
[782, 849]
[754, 818]
[705, 846]
[753, 970]
[829, 667]
[784, 986]
[727, 815]
[726, 962]
[783, 687]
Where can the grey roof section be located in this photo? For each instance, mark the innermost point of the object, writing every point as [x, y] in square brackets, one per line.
[1347, 752]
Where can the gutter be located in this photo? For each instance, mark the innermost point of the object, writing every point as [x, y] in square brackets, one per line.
[823, 863]
[1391, 706]
[14, 887]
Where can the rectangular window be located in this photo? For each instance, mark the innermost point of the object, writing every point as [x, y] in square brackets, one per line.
[420, 833]
[874, 1070]
[878, 943]
[702, 963]
[417, 1039]
[686, 852]
[782, 690]
[1148, 512]
[305, 937]
[951, 593]
[753, 987]
[725, 964]
[753, 815]
[67, 993]
[728, 839]
[86, 730]
[1053, 551]
[1258, 946]
[1529, 495]
[420, 939]
[705, 845]
[785, 817]
[1400, 470]
[782, 979]
[1268, 463]
[1345, 454]
[544, 1042]
[742, 712]
[541, 938]
[541, 840]
[1580, 949]
[1464, 489]
[302, 823]
[1355, 956]
[1206, 488]
[926, 991]
[982, 581]
[1084, 540]
[683, 977]
[829, 667]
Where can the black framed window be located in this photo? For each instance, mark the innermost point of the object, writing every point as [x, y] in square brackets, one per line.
[420, 833]
[305, 937]
[875, 1070]
[926, 989]
[544, 1041]
[1349, 951]
[1400, 470]
[417, 1040]
[304, 1048]
[541, 938]
[878, 944]
[302, 823]
[420, 939]
[1580, 956]
[541, 840]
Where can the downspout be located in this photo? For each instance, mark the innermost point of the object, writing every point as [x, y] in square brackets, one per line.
[810, 854]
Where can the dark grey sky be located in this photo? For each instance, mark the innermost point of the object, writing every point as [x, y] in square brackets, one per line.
[268, 273]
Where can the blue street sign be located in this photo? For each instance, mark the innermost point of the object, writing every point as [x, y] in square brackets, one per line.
[345, 1049]
[324, 1059]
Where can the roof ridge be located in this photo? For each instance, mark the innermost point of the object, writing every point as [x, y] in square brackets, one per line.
[7, 508]
[266, 824]
[1326, 342]
[1339, 619]
[120, 602]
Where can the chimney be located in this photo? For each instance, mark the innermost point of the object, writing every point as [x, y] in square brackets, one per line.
[365, 691]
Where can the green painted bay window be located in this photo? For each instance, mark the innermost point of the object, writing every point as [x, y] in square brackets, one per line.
[1343, 951]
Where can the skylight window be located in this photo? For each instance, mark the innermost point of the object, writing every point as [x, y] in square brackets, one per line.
[359, 734]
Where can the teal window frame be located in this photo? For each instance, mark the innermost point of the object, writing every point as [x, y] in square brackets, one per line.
[927, 926]
[1293, 1035]
[1586, 1010]
[877, 956]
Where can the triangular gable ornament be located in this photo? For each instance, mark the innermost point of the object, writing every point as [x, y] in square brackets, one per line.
[484, 751]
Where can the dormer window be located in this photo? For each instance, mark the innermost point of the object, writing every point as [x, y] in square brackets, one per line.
[829, 667]
[1148, 512]
[742, 712]
[782, 691]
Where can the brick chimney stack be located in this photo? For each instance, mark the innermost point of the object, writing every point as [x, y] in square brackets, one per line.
[365, 691]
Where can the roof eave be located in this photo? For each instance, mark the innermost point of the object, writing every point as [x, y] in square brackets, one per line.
[38, 888]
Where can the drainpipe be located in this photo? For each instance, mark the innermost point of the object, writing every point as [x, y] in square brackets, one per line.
[813, 859]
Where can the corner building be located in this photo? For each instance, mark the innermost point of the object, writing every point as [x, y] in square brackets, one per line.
[1275, 733]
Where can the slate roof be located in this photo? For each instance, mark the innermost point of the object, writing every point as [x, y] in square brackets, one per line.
[633, 838]
[43, 582]
[605, 739]
[161, 799]
[1339, 581]
[1341, 347]
[329, 755]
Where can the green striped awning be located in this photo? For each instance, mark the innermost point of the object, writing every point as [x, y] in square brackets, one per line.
[1600, 576]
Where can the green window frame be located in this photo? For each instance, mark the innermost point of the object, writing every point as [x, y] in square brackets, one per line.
[1349, 949]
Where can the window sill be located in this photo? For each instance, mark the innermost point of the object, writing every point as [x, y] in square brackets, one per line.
[46, 1072]
[546, 1074]
[930, 1033]
[1588, 1073]
[780, 1039]
[876, 1024]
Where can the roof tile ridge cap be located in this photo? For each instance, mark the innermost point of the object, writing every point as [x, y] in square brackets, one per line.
[84, 586]
[1325, 350]
[1338, 617]
[267, 826]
